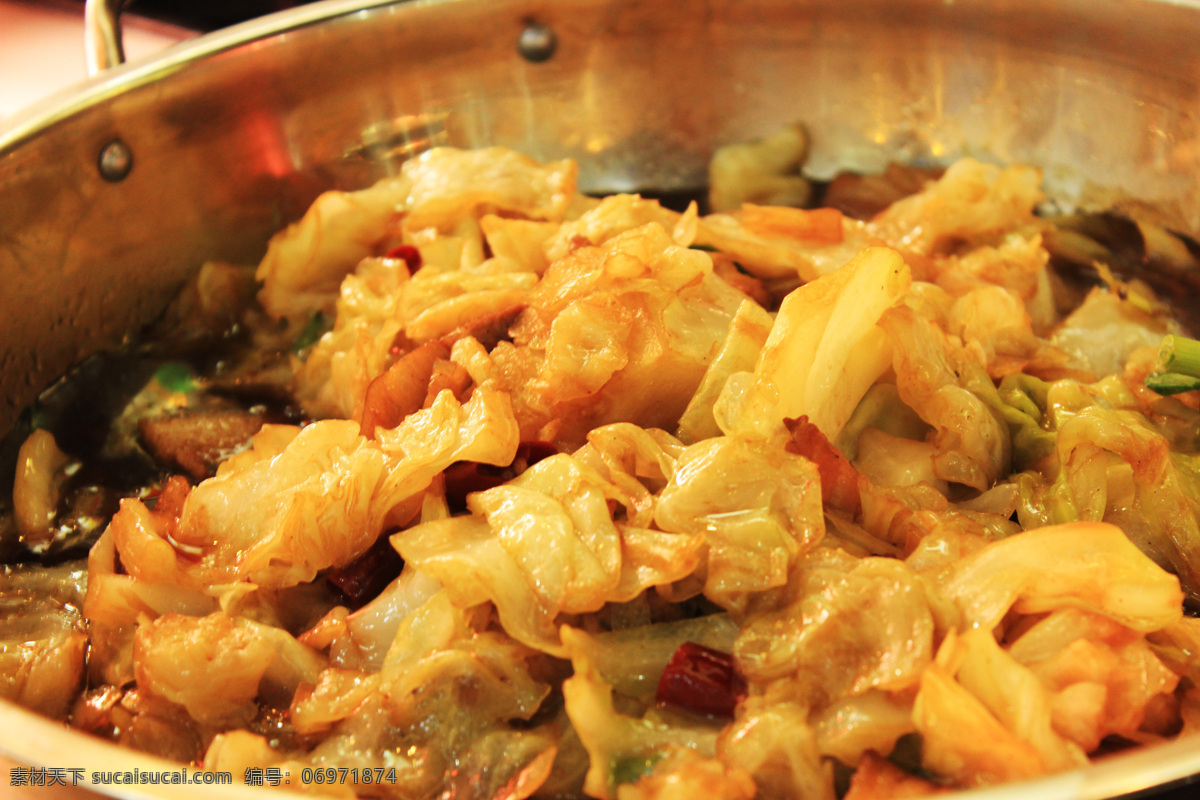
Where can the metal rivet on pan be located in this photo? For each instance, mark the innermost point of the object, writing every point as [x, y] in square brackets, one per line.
[115, 162]
[537, 43]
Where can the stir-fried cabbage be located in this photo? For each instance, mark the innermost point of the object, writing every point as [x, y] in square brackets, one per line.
[595, 497]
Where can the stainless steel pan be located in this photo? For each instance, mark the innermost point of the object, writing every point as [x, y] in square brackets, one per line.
[232, 134]
[113, 192]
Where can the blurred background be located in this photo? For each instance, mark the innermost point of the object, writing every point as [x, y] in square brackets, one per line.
[41, 41]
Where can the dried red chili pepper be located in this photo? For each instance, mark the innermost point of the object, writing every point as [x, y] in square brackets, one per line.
[409, 254]
[365, 577]
[701, 680]
[466, 477]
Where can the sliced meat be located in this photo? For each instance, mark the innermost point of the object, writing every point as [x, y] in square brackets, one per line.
[489, 330]
[864, 196]
[197, 441]
[415, 379]
[401, 389]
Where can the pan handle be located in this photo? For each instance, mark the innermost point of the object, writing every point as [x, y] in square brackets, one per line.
[102, 48]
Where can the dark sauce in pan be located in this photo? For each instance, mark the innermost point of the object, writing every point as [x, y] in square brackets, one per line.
[89, 410]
